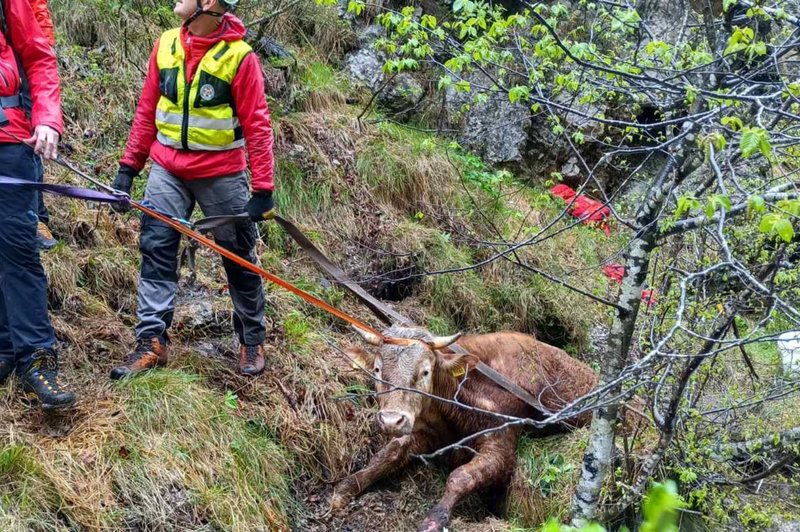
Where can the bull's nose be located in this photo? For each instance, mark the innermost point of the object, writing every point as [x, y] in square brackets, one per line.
[393, 422]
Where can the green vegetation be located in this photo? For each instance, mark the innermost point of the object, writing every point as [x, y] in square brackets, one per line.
[195, 446]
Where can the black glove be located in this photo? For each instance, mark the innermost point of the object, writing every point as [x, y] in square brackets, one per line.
[261, 206]
[123, 182]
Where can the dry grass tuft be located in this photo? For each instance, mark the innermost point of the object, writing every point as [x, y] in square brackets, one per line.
[407, 170]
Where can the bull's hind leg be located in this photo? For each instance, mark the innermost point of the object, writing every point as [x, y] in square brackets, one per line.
[493, 465]
[393, 457]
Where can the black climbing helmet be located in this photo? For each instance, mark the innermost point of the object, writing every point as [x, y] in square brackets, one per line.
[229, 5]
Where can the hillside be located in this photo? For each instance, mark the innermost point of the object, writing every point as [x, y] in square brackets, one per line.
[408, 213]
[195, 446]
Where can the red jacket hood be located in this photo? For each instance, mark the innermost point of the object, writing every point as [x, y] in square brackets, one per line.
[230, 29]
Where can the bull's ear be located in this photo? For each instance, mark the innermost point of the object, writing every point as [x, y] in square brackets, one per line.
[360, 357]
[456, 363]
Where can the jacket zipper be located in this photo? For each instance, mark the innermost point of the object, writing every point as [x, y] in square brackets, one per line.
[186, 91]
[5, 81]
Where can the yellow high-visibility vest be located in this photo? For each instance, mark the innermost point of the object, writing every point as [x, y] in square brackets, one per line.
[201, 116]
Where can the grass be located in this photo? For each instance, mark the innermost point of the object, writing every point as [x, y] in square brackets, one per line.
[406, 169]
[547, 470]
[183, 437]
[195, 446]
[27, 496]
[322, 88]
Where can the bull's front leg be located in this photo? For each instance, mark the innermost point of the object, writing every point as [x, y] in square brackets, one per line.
[393, 457]
[491, 466]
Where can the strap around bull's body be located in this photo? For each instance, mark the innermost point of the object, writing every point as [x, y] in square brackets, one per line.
[504, 382]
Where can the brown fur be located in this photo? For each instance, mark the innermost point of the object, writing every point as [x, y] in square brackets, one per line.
[546, 372]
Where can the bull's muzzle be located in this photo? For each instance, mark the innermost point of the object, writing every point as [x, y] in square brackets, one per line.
[394, 423]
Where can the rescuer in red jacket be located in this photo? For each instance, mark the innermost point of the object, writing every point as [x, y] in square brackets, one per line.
[26, 335]
[203, 99]
[44, 237]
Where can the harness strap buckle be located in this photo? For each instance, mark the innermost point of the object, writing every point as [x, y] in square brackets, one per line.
[8, 102]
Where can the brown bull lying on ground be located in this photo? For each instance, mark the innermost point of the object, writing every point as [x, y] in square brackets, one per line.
[421, 424]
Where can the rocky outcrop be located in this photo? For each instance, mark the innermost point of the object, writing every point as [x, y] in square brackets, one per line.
[366, 66]
[495, 128]
[401, 93]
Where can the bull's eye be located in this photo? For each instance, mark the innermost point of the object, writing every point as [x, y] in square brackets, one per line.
[426, 373]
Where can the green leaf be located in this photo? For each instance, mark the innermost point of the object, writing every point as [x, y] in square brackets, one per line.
[462, 85]
[428, 21]
[756, 204]
[783, 228]
[768, 222]
[520, 92]
[792, 206]
[754, 139]
[661, 507]
[734, 122]
[710, 210]
[685, 204]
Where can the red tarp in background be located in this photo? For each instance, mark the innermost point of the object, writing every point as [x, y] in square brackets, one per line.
[591, 212]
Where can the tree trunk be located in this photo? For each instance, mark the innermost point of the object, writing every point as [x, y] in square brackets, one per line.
[597, 457]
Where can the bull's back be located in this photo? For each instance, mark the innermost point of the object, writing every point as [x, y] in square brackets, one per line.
[546, 372]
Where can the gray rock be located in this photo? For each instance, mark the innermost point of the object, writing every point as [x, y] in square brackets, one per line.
[269, 48]
[203, 316]
[365, 66]
[663, 20]
[785, 526]
[496, 129]
[583, 115]
[402, 94]
[369, 34]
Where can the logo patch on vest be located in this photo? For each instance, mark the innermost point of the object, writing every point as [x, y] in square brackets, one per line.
[207, 92]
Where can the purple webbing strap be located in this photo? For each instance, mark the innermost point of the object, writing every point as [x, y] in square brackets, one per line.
[64, 190]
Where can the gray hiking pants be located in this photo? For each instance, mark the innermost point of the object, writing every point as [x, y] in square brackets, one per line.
[159, 245]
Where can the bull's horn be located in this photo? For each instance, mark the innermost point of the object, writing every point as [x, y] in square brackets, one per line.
[440, 342]
[369, 337]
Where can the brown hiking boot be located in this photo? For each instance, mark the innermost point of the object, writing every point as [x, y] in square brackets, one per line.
[251, 359]
[149, 353]
[44, 237]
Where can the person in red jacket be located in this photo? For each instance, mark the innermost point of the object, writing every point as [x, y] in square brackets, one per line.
[44, 237]
[41, 12]
[203, 99]
[26, 335]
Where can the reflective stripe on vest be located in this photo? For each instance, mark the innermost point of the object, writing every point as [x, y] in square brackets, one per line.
[200, 116]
